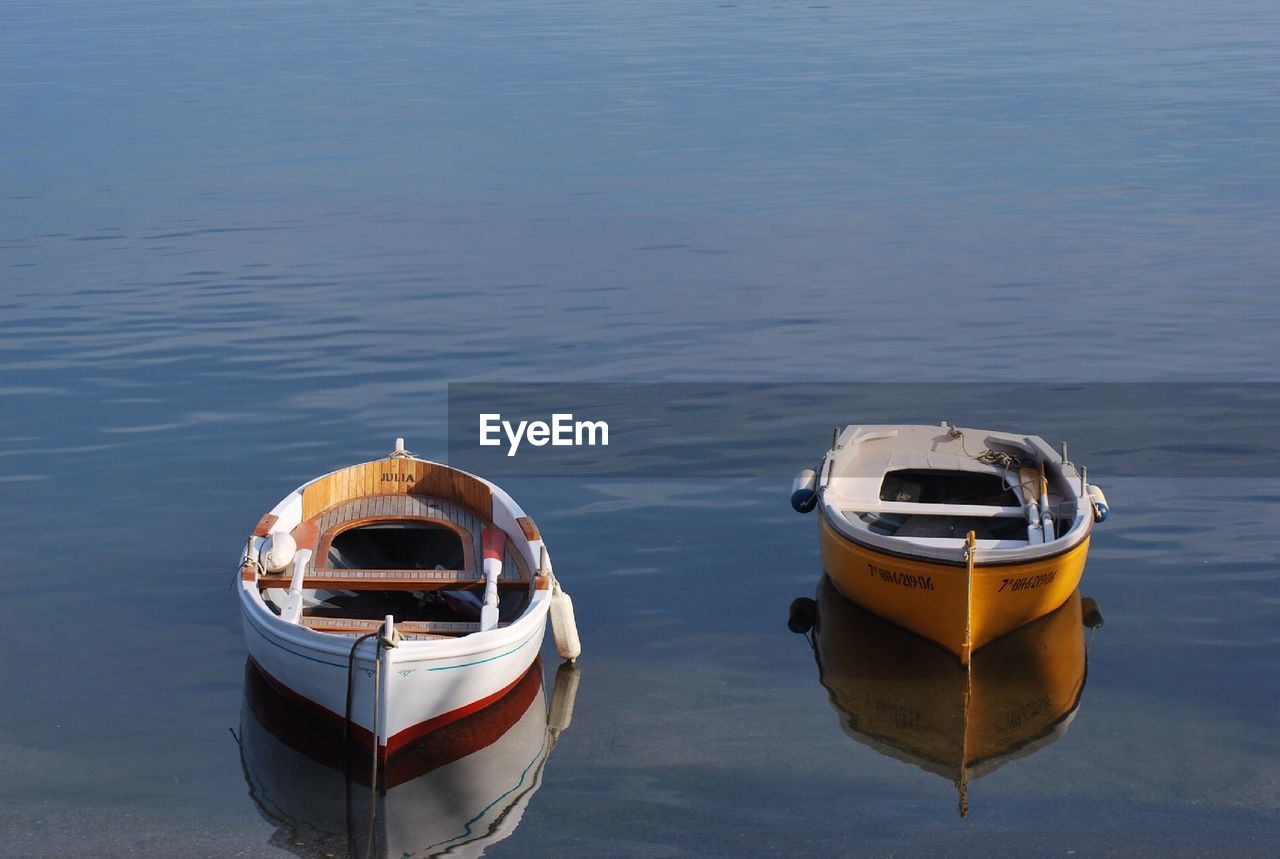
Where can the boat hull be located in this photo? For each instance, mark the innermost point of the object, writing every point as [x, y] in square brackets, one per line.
[932, 598]
[419, 686]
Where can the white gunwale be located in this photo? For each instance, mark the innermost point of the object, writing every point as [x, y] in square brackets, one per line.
[855, 467]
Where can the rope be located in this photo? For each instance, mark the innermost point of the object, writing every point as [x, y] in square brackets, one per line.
[351, 664]
[970, 557]
[346, 734]
[377, 704]
[988, 456]
[995, 457]
[970, 550]
[373, 767]
[962, 783]
[250, 559]
[1010, 463]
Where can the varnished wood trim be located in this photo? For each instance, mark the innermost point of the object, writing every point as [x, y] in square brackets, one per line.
[542, 582]
[264, 525]
[468, 550]
[530, 530]
[306, 535]
[441, 628]
[342, 629]
[391, 580]
[397, 476]
[521, 567]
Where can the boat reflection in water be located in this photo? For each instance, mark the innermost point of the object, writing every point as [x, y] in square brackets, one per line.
[453, 792]
[909, 699]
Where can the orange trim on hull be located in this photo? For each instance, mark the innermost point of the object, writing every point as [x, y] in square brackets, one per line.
[929, 597]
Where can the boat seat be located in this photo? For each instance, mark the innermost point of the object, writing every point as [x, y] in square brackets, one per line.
[393, 580]
[360, 626]
[914, 508]
[959, 543]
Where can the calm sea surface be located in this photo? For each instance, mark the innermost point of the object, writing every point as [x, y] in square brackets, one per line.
[242, 244]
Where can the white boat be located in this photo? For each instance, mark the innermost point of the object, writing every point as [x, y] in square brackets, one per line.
[397, 596]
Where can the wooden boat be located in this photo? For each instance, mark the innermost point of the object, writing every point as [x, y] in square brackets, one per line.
[959, 535]
[456, 791]
[911, 701]
[361, 597]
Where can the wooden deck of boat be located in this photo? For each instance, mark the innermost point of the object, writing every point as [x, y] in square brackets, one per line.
[394, 580]
[396, 477]
[396, 490]
[403, 508]
[317, 534]
[408, 628]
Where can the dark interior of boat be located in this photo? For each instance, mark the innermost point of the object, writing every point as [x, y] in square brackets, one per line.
[898, 525]
[924, 486]
[416, 605]
[397, 546]
[407, 546]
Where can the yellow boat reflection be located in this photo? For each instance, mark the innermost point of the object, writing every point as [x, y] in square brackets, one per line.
[909, 699]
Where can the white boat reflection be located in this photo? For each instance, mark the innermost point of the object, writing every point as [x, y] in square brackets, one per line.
[911, 700]
[454, 792]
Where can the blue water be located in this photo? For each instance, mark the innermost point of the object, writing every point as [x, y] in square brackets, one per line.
[244, 244]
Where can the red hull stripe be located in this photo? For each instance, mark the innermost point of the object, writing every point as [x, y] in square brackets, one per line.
[361, 735]
[408, 735]
[465, 736]
[364, 736]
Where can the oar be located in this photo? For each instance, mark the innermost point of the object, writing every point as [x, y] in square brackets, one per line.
[495, 545]
[1028, 485]
[1046, 515]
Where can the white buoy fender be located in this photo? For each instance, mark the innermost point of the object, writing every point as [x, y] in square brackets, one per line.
[563, 695]
[1100, 508]
[804, 491]
[563, 626]
[277, 552]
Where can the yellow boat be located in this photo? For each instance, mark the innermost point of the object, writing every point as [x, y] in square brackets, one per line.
[909, 700]
[958, 534]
